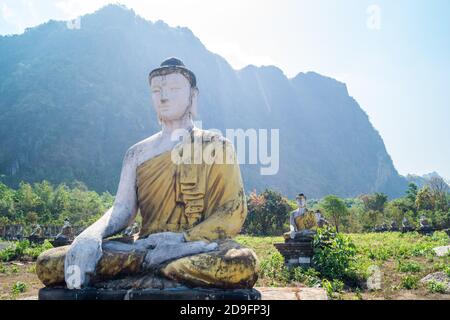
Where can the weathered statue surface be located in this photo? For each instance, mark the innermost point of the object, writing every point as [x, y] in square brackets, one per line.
[190, 209]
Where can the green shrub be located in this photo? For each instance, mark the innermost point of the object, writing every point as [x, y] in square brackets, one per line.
[7, 254]
[24, 249]
[333, 254]
[14, 269]
[34, 251]
[410, 282]
[447, 271]
[434, 286]
[21, 246]
[310, 276]
[333, 288]
[18, 287]
[273, 268]
[408, 267]
[32, 269]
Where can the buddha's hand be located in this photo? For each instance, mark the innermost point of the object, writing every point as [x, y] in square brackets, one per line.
[171, 246]
[292, 234]
[157, 238]
[81, 260]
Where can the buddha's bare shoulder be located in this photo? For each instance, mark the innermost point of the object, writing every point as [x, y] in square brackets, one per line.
[144, 149]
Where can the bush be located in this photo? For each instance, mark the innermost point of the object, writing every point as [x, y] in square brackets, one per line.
[333, 254]
[18, 287]
[436, 287]
[24, 249]
[409, 267]
[410, 282]
[333, 288]
[273, 268]
[7, 254]
[310, 276]
[268, 214]
[14, 269]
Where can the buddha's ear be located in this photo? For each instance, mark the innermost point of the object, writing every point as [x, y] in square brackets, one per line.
[194, 102]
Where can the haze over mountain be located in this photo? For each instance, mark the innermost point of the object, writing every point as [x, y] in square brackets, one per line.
[73, 100]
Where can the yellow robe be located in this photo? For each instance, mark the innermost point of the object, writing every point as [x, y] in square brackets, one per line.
[205, 201]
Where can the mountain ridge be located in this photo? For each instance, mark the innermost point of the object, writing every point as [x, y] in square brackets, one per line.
[75, 92]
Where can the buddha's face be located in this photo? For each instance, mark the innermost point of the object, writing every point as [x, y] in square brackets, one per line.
[172, 96]
[301, 201]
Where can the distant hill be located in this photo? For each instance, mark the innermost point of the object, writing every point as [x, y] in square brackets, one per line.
[73, 100]
[421, 181]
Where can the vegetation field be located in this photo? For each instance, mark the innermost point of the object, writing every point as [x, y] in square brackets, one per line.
[398, 260]
[401, 260]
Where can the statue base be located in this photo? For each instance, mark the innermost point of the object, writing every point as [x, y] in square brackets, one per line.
[297, 252]
[180, 293]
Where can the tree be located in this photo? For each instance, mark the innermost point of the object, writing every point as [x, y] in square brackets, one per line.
[335, 209]
[26, 200]
[267, 213]
[439, 190]
[375, 202]
[424, 199]
[7, 207]
[411, 193]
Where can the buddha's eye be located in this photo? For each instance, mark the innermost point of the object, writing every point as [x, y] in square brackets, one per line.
[156, 91]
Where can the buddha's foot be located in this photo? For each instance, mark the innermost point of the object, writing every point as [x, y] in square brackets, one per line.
[229, 267]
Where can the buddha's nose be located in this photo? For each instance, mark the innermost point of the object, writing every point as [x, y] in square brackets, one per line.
[164, 97]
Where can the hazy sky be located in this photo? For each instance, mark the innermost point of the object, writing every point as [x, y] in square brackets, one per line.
[394, 56]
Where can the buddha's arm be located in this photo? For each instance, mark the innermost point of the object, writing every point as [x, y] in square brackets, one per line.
[124, 209]
[225, 205]
[292, 223]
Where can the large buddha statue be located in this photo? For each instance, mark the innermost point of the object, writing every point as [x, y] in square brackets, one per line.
[191, 207]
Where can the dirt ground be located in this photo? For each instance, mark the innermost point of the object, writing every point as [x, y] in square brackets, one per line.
[13, 272]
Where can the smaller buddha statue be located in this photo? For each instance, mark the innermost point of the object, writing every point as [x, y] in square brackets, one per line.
[297, 250]
[321, 221]
[425, 226]
[37, 232]
[66, 235]
[37, 235]
[302, 222]
[394, 226]
[406, 225]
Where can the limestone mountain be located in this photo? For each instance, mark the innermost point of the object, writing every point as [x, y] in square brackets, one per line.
[72, 100]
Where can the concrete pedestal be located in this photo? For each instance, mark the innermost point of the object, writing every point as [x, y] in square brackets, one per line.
[181, 293]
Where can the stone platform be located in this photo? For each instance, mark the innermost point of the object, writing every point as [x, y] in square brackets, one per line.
[181, 293]
[292, 293]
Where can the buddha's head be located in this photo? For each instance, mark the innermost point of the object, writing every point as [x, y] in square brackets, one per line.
[174, 91]
[301, 200]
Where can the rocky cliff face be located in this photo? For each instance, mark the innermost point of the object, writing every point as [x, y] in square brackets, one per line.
[73, 100]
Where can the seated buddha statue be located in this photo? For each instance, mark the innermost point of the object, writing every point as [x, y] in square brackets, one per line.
[302, 222]
[191, 206]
